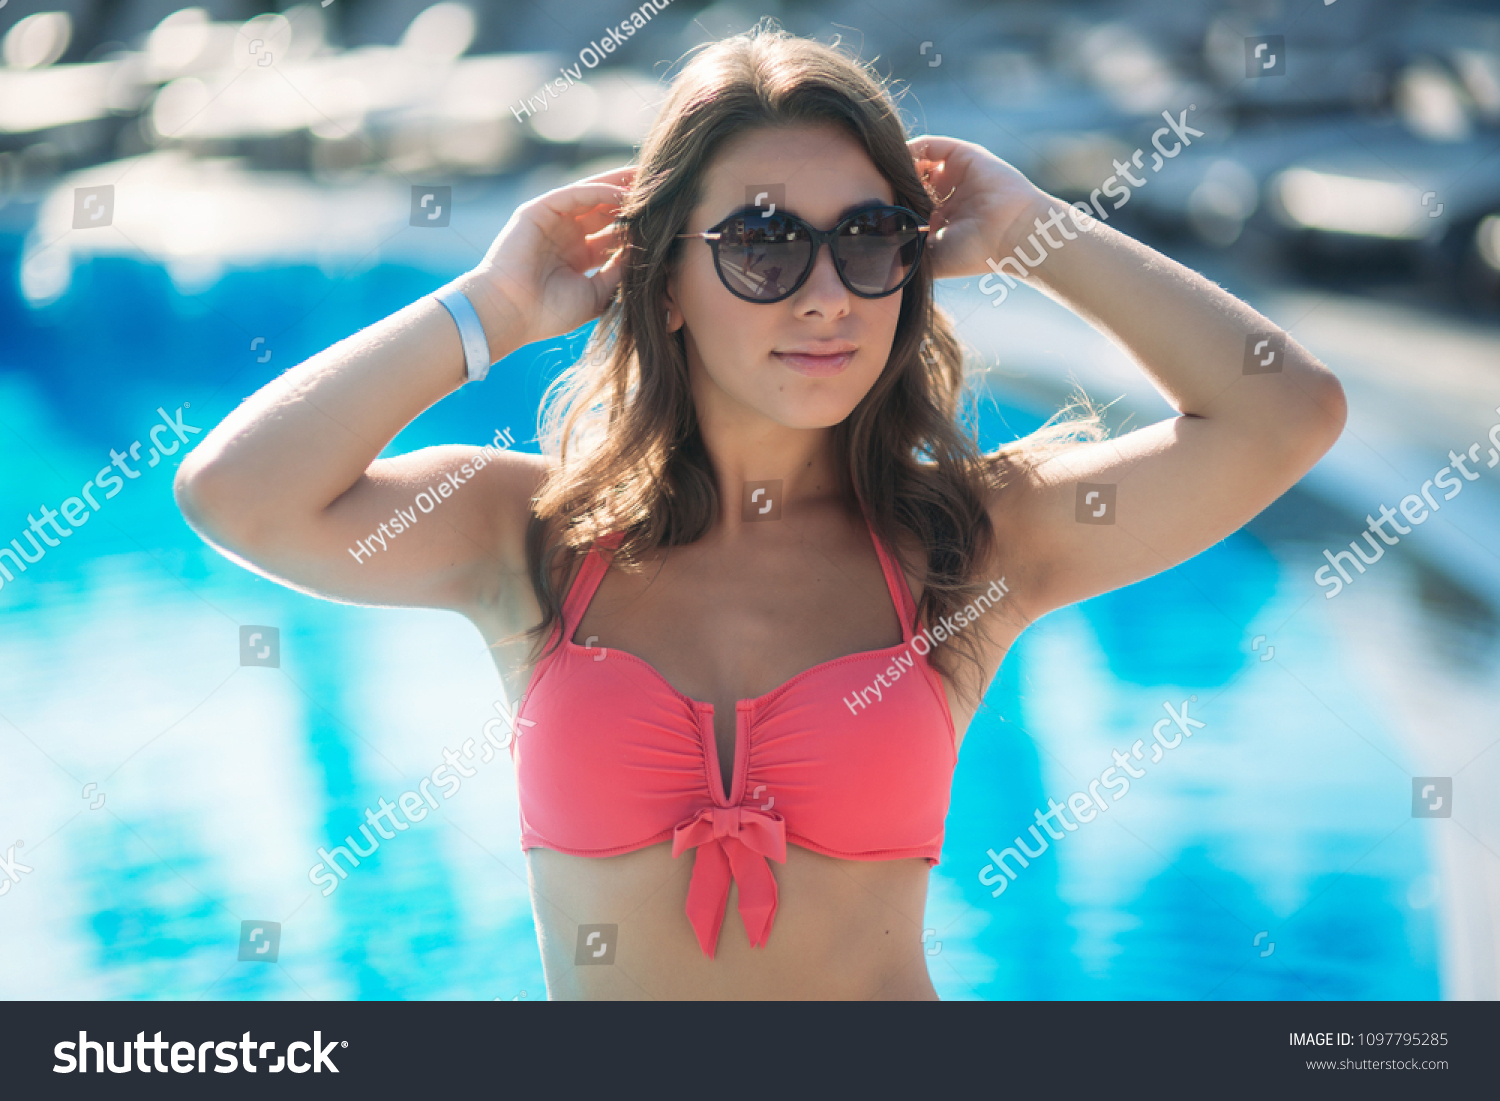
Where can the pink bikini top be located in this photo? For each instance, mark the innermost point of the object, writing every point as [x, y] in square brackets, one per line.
[852, 758]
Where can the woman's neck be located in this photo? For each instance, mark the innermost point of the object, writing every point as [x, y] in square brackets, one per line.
[765, 473]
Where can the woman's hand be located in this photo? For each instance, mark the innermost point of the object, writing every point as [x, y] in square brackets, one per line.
[533, 274]
[987, 206]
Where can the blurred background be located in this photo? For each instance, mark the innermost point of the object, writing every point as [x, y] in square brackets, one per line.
[194, 199]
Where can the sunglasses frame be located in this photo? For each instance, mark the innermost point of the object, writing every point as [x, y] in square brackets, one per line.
[819, 237]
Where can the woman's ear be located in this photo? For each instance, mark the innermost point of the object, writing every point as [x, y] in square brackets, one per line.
[669, 304]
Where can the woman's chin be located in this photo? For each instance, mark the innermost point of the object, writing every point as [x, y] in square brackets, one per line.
[800, 406]
[806, 418]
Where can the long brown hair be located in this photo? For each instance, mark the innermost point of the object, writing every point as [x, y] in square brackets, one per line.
[622, 422]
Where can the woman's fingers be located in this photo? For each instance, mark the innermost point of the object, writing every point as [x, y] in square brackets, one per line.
[942, 163]
[576, 199]
[604, 281]
[613, 175]
[932, 148]
[538, 263]
[594, 251]
[594, 201]
[595, 220]
[585, 207]
[924, 145]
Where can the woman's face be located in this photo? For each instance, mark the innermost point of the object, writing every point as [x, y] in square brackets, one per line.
[738, 351]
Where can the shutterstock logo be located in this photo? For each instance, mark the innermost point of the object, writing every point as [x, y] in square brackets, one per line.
[431, 205]
[1264, 353]
[93, 206]
[260, 645]
[190, 1058]
[165, 438]
[596, 945]
[1432, 797]
[260, 941]
[1265, 55]
[1095, 503]
[1089, 803]
[761, 501]
[767, 199]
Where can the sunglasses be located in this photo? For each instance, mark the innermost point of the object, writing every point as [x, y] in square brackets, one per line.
[766, 257]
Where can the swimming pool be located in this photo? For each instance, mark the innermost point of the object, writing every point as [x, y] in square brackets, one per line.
[163, 794]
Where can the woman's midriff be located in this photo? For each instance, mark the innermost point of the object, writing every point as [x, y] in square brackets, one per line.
[844, 929]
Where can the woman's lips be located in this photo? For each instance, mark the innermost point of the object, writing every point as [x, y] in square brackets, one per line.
[819, 366]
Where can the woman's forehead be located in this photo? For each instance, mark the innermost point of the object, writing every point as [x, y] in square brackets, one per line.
[814, 171]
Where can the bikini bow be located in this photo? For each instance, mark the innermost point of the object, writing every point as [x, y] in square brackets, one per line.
[732, 844]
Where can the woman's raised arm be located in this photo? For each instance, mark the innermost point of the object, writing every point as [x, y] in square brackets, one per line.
[289, 482]
[1256, 409]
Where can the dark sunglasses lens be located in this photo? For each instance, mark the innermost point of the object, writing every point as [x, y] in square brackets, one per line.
[762, 258]
[877, 249]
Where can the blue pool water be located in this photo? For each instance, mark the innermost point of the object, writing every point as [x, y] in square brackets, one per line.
[119, 667]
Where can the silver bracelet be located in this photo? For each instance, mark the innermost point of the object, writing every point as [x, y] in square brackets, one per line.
[470, 331]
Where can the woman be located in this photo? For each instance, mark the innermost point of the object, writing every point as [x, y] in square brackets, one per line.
[764, 577]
